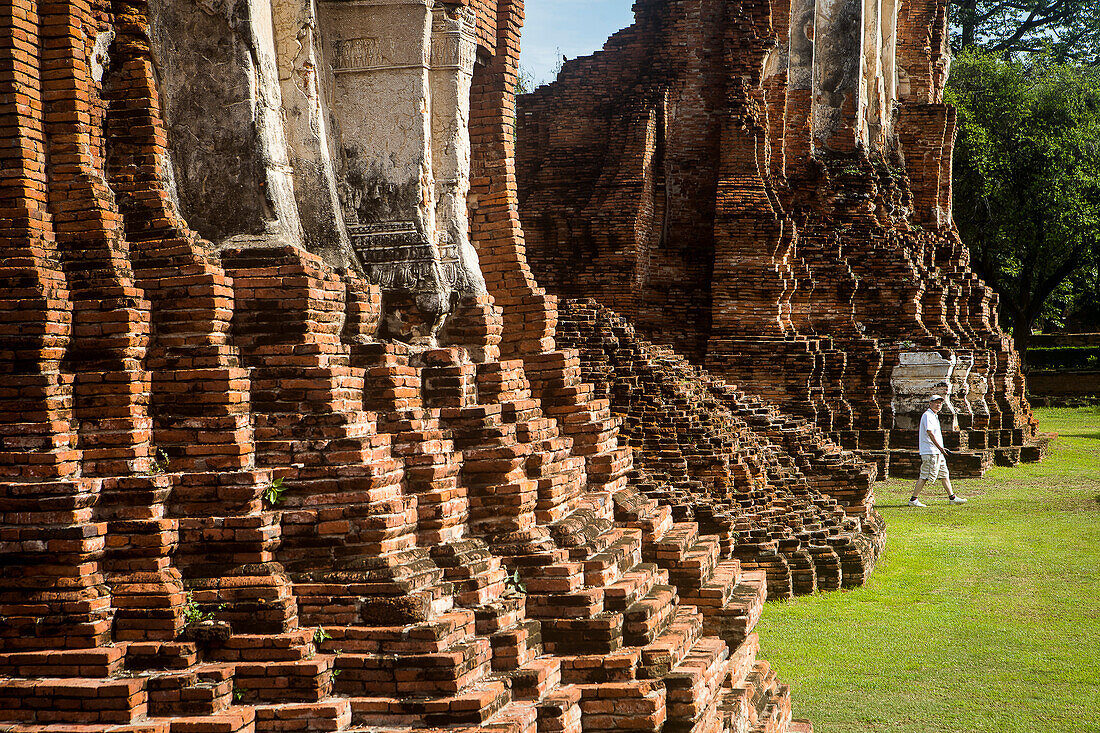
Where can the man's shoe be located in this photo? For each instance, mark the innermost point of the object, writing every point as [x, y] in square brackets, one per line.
[918, 502]
[957, 500]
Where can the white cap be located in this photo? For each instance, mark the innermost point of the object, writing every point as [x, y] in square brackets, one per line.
[935, 397]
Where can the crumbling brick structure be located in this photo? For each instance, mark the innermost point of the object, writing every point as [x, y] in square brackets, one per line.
[766, 187]
[286, 439]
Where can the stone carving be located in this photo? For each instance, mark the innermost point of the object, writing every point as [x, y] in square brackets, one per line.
[361, 54]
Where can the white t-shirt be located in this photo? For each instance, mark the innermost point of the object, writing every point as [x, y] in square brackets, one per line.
[929, 421]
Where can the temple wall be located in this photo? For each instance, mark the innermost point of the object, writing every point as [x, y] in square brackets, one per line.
[821, 248]
[286, 438]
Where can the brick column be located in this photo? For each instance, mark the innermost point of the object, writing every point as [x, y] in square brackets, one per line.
[52, 589]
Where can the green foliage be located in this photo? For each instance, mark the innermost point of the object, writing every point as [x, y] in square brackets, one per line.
[978, 618]
[320, 635]
[1067, 29]
[1063, 357]
[1027, 178]
[193, 613]
[273, 494]
[238, 694]
[160, 463]
[525, 81]
[513, 584]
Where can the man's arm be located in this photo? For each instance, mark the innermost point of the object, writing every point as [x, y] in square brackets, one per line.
[940, 448]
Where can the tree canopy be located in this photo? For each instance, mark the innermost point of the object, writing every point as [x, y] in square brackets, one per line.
[1027, 180]
[1065, 29]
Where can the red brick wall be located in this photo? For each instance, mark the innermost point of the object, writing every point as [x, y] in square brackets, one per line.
[669, 175]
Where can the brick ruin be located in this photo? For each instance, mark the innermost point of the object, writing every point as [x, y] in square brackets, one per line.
[290, 438]
[766, 187]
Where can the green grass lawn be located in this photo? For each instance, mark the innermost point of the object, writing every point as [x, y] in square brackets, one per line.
[983, 617]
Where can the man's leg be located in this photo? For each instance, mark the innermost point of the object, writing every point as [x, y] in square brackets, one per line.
[951, 491]
[918, 486]
[947, 486]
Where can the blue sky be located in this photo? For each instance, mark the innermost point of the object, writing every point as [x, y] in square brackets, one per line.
[572, 28]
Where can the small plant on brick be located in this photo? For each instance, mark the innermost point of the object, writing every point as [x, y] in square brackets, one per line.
[238, 694]
[513, 584]
[320, 636]
[273, 494]
[160, 463]
[335, 673]
[193, 614]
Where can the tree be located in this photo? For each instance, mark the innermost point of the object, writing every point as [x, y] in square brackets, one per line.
[1066, 29]
[1027, 178]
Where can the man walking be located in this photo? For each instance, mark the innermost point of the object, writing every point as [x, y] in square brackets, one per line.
[933, 456]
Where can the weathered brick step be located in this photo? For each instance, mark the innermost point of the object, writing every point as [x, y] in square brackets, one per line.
[743, 658]
[775, 568]
[602, 633]
[238, 719]
[423, 675]
[762, 689]
[503, 613]
[693, 687]
[648, 617]
[539, 428]
[716, 592]
[463, 559]
[580, 605]
[515, 646]
[143, 726]
[670, 648]
[73, 700]
[675, 542]
[516, 717]
[553, 578]
[696, 566]
[143, 655]
[560, 711]
[300, 681]
[332, 715]
[654, 526]
[586, 534]
[799, 725]
[437, 635]
[635, 584]
[288, 647]
[206, 690]
[617, 666]
[519, 717]
[365, 603]
[472, 707]
[487, 583]
[776, 714]
[618, 706]
[103, 661]
[609, 565]
[536, 678]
